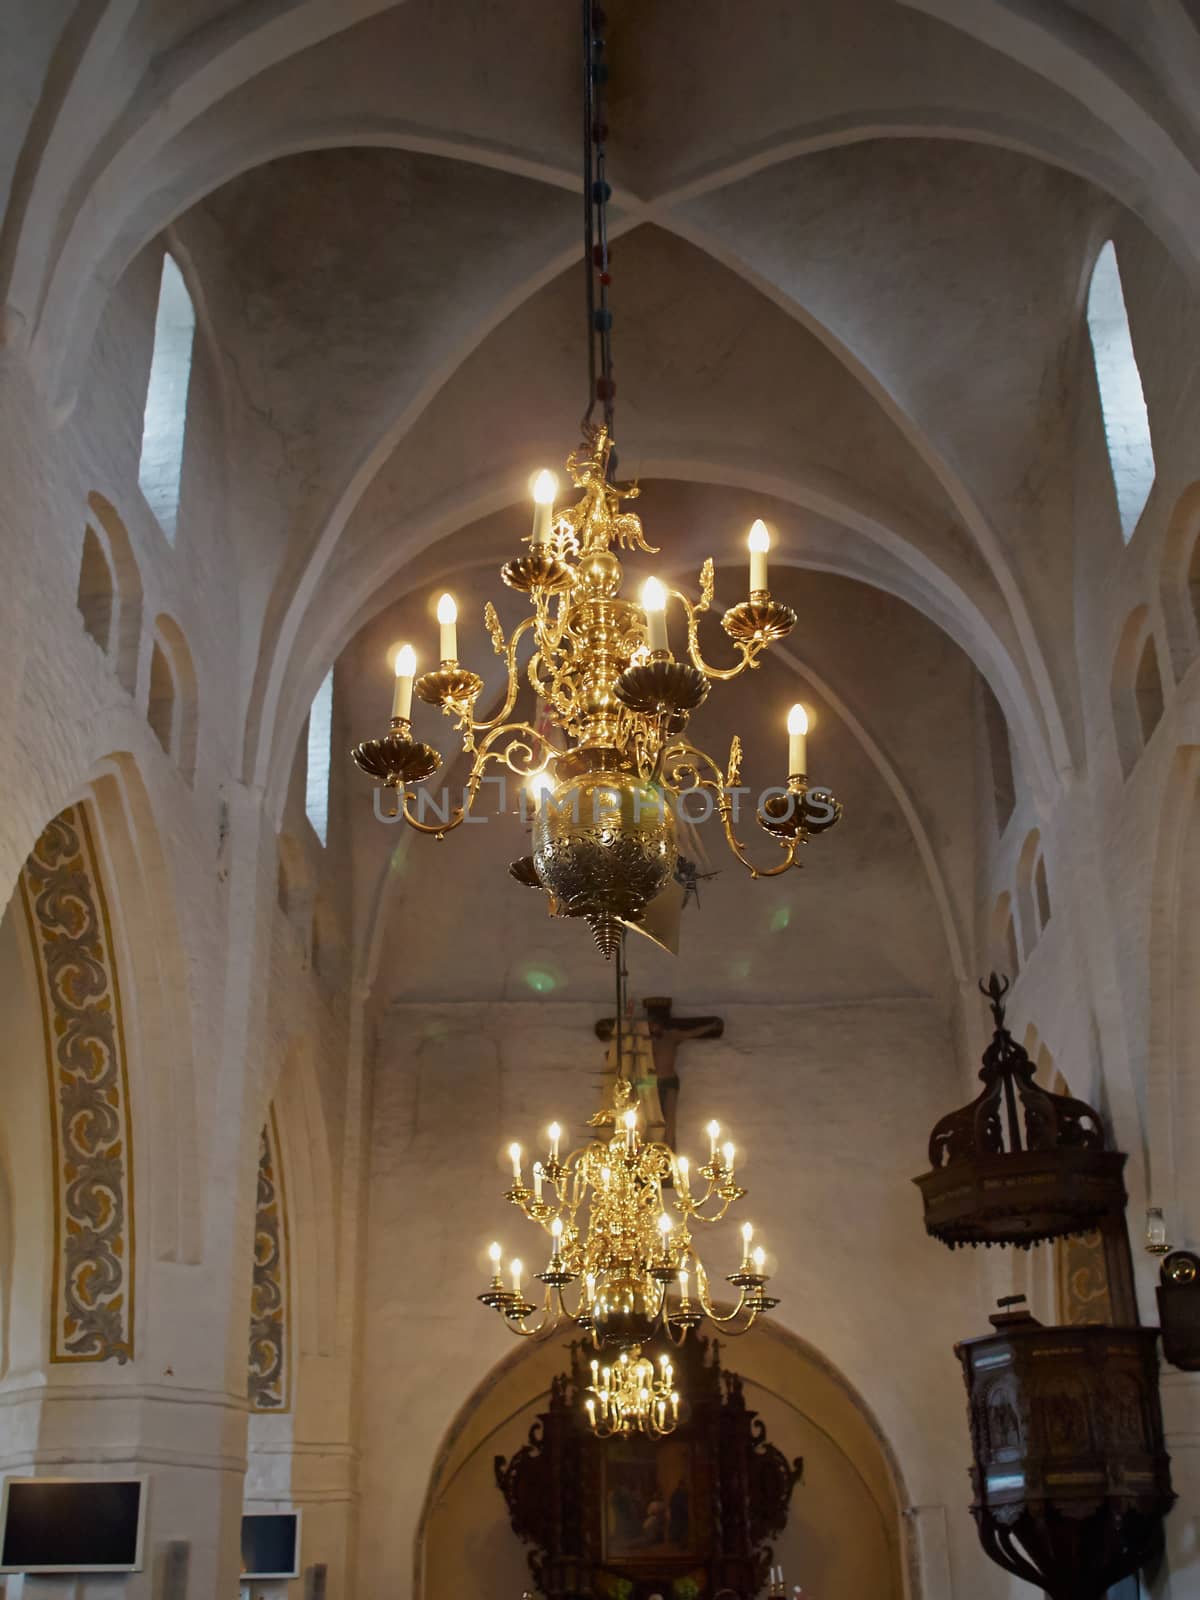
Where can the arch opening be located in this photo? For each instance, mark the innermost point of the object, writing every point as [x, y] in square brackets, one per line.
[851, 1477]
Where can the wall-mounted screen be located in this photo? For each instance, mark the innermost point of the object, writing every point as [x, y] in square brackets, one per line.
[72, 1524]
[271, 1544]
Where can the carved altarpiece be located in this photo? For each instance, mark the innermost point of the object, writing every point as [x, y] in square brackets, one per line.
[635, 1517]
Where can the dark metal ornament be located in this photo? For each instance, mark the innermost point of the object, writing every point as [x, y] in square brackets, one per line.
[1179, 1309]
[1071, 1476]
[1019, 1164]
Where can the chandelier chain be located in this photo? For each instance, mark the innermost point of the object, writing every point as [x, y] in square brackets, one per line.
[596, 194]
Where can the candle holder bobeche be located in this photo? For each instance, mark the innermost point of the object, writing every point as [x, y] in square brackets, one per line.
[615, 706]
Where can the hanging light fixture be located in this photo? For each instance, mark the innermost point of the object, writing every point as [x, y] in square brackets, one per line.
[632, 1396]
[617, 699]
[621, 1215]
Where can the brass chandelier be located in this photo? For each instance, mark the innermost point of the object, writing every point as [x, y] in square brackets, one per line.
[619, 1214]
[631, 1396]
[610, 751]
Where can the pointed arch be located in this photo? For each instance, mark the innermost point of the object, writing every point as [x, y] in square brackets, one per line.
[782, 1373]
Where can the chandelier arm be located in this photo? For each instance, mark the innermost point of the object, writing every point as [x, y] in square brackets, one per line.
[509, 652]
[685, 760]
[438, 829]
[717, 1217]
[510, 754]
[547, 1324]
[789, 845]
[748, 652]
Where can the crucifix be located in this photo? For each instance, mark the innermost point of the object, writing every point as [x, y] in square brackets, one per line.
[667, 1033]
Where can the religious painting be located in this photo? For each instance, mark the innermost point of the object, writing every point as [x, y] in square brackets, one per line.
[655, 1504]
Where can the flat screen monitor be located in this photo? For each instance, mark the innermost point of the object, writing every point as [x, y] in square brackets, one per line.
[271, 1544]
[72, 1524]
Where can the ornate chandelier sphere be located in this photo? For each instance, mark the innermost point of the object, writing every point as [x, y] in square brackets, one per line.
[619, 1214]
[630, 1396]
[603, 847]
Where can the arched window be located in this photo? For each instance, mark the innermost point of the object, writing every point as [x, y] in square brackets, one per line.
[1041, 893]
[96, 588]
[1004, 938]
[160, 470]
[172, 709]
[110, 590]
[1148, 690]
[1033, 893]
[1004, 794]
[160, 710]
[316, 783]
[1126, 420]
[1137, 689]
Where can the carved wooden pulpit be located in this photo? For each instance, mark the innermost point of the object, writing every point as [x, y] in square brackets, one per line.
[632, 1517]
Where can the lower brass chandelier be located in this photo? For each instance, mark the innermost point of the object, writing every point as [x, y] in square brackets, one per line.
[612, 739]
[621, 1267]
[631, 1397]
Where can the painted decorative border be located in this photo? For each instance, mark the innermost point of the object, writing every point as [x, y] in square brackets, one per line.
[269, 1376]
[92, 1282]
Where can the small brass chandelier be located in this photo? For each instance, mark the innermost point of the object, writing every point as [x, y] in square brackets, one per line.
[631, 1396]
[621, 1267]
[611, 752]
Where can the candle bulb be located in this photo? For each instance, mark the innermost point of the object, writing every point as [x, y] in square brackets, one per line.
[759, 542]
[683, 1283]
[556, 1229]
[516, 1269]
[728, 1152]
[590, 1282]
[682, 1168]
[406, 667]
[555, 1136]
[537, 1180]
[447, 615]
[654, 604]
[545, 486]
[631, 1128]
[714, 1133]
[664, 1228]
[494, 1253]
[591, 1411]
[797, 727]
[760, 1259]
[747, 1235]
[514, 1151]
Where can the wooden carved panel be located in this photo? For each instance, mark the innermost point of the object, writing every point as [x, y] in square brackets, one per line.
[92, 1282]
[623, 1519]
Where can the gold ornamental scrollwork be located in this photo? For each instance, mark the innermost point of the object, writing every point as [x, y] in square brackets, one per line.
[93, 1276]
